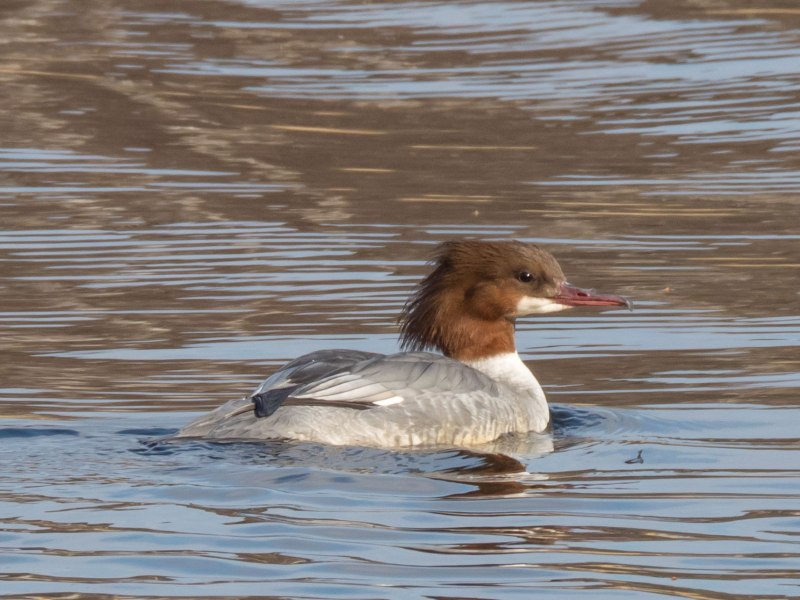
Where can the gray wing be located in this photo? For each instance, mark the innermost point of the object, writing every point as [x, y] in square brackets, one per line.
[313, 366]
[277, 388]
[302, 371]
[377, 380]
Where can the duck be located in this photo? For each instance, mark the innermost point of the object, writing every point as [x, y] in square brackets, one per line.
[458, 380]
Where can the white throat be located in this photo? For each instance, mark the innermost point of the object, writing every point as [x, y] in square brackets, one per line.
[508, 368]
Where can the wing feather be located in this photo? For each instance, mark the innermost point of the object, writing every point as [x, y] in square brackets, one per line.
[368, 380]
[351, 389]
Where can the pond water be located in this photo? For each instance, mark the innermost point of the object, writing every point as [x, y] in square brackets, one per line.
[193, 193]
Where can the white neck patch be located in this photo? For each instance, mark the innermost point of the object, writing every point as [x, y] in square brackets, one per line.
[507, 368]
[531, 305]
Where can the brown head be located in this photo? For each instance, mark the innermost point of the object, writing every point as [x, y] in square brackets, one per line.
[467, 305]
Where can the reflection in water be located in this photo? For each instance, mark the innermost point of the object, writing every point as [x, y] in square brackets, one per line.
[191, 195]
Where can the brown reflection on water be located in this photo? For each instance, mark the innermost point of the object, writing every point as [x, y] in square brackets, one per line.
[152, 120]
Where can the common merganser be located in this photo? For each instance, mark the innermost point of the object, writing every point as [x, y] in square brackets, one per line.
[475, 391]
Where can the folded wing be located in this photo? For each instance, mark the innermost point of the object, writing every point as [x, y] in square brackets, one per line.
[363, 380]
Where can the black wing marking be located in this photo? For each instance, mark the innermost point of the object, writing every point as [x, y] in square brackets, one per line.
[268, 402]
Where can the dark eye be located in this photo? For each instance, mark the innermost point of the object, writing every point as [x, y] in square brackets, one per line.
[525, 277]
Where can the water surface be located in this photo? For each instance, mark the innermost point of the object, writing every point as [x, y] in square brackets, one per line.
[192, 194]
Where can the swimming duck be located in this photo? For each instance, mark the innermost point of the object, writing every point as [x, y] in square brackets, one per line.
[473, 390]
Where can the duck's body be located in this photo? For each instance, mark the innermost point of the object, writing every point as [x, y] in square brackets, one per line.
[476, 392]
[406, 399]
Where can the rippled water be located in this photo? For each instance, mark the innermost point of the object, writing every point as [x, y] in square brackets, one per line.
[193, 193]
